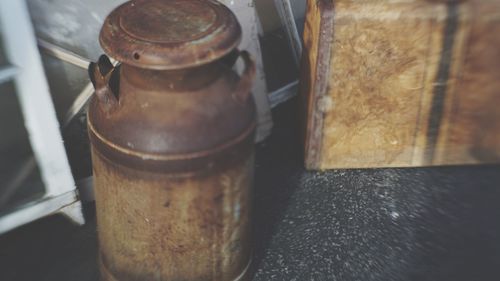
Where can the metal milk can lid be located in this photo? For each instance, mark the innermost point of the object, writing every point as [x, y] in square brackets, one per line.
[167, 35]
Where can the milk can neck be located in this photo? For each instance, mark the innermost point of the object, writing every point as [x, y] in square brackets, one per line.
[181, 80]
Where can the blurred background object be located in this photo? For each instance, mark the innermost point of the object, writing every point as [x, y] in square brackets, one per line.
[35, 178]
[282, 22]
[247, 16]
[288, 10]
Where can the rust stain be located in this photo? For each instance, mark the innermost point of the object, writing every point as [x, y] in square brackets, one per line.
[172, 144]
[177, 33]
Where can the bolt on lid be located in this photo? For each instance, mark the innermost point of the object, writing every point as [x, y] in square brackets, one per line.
[167, 35]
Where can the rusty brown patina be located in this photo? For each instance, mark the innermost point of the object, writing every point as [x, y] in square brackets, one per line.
[177, 33]
[172, 133]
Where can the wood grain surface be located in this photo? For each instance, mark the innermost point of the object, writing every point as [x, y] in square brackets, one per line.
[405, 83]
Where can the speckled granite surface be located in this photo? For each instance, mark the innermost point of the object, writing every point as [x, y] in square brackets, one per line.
[386, 224]
[383, 224]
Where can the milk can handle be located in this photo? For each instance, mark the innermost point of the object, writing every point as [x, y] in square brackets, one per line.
[100, 75]
[244, 86]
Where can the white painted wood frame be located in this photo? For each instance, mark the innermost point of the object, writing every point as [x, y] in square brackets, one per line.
[40, 120]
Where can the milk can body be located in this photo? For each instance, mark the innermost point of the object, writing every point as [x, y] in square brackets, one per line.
[172, 131]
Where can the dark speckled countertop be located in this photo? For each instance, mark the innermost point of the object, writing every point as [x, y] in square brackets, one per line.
[373, 224]
[434, 224]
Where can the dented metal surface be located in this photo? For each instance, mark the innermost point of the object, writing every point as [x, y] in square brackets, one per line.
[172, 147]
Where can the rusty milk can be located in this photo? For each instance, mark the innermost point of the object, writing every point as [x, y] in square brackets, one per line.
[172, 133]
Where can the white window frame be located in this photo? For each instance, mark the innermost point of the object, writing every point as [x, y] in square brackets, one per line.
[32, 89]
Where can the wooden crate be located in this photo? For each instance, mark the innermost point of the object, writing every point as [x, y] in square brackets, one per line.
[401, 83]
